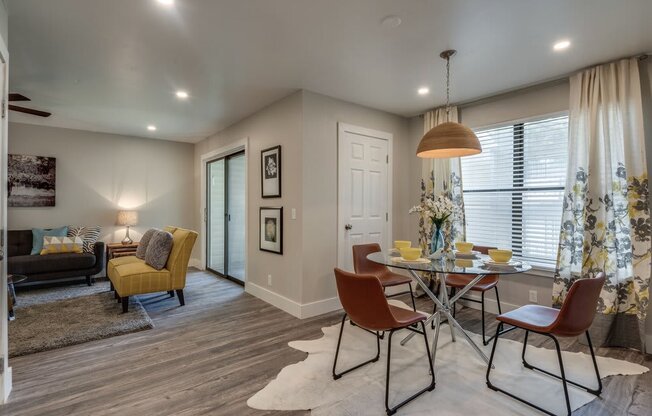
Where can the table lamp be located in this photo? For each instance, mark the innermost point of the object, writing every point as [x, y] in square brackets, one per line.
[127, 218]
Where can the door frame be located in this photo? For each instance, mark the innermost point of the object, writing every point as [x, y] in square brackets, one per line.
[233, 148]
[5, 370]
[343, 128]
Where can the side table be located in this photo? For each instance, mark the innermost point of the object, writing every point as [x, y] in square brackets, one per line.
[12, 279]
[114, 250]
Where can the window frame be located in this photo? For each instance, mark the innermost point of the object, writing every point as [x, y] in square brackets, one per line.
[518, 143]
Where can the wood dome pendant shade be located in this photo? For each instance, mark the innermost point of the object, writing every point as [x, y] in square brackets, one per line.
[448, 140]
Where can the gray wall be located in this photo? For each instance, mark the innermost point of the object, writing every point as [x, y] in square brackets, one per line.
[98, 174]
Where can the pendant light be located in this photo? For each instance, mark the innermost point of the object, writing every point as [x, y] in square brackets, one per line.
[448, 139]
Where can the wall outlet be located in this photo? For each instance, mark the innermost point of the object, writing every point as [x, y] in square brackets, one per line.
[294, 213]
[533, 296]
[269, 281]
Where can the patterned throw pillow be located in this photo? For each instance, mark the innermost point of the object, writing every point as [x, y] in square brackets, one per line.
[158, 249]
[56, 245]
[144, 242]
[90, 235]
[39, 233]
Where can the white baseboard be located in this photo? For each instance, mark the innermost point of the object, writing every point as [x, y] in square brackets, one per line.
[301, 311]
[320, 307]
[196, 263]
[490, 305]
[280, 301]
[5, 385]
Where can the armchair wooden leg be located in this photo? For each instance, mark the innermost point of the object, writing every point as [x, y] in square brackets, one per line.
[180, 296]
[89, 281]
[171, 293]
[125, 304]
[112, 287]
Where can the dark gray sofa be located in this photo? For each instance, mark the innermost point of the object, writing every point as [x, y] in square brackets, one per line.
[52, 266]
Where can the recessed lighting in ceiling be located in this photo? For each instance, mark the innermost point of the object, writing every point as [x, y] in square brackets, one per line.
[166, 2]
[182, 94]
[391, 21]
[423, 90]
[151, 127]
[561, 45]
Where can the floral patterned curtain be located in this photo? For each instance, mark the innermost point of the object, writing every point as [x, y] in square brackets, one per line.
[606, 219]
[442, 176]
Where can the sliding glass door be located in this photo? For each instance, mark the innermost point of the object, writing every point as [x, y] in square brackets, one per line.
[225, 216]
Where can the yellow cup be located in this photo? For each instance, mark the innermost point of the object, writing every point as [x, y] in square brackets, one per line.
[463, 246]
[500, 256]
[399, 244]
[410, 253]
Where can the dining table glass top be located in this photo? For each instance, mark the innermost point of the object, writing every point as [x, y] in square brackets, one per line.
[479, 265]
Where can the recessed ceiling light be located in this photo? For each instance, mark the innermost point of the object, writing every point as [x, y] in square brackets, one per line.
[182, 94]
[561, 45]
[423, 90]
[166, 2]
[151, 127]
[391, 21]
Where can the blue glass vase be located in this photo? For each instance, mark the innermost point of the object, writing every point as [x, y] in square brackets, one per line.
[437, 239]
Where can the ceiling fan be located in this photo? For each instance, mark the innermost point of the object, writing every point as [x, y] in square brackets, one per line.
[20, 97]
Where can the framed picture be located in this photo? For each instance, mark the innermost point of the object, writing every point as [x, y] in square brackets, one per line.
[270, 178]
[32, 181]
[271, 229]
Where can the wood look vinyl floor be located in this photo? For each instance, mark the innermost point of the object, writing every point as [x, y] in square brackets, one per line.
[210, 356]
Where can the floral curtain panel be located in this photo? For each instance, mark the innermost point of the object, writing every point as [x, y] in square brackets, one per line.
[442, 177]
[606, 219]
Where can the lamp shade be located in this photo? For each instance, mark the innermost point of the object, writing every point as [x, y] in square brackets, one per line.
[127, 218]
[449, 140]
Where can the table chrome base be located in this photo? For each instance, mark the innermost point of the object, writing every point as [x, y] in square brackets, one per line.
[444, 307]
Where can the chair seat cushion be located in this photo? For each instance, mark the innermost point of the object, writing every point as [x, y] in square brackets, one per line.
[461, 280]
[393, 279]
[29, 264]
[132, 276]
[531, 317]
[406, 317]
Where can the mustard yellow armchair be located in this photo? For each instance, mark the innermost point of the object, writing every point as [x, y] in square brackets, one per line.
[131, 276]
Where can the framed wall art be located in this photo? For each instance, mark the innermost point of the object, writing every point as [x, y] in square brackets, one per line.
[271, 229]
[32, 181]
[270, 160]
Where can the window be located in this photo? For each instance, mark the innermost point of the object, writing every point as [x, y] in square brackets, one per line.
[514, 189]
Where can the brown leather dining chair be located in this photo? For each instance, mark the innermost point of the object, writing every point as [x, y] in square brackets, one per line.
[365, 304]
[574, 318]
[387, 278]
[490, 281]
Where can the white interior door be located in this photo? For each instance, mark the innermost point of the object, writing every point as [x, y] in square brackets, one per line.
[363, 190]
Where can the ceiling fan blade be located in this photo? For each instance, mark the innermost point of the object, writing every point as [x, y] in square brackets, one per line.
[29, 111]
[17, 97]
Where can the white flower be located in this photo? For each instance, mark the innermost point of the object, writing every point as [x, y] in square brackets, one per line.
[438, 209]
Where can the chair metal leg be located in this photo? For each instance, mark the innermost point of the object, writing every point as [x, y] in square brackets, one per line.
[484, 341]
[414, 305]
[500, 312]
[336, 376]
[454, 304]
[430, 387]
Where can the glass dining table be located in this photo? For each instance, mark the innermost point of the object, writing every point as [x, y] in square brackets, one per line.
[477, 266]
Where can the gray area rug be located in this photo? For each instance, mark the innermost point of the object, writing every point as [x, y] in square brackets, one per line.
[51, 318]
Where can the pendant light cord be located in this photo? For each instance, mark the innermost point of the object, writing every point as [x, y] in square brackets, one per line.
[448, 87]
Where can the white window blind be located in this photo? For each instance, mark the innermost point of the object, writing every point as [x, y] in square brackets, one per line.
[513, 190]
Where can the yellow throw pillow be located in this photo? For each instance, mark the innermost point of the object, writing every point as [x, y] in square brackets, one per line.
[57, 245]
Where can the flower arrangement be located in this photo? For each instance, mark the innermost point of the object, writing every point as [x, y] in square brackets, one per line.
[437, 208]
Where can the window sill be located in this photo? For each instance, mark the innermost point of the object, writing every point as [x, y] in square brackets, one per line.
[542, 270]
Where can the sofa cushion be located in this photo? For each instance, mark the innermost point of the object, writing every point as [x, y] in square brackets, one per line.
[39, 233]
[19, 242]
[138, 277]
[90, 235]
[158, 249]
[28, 264]
[144, 242]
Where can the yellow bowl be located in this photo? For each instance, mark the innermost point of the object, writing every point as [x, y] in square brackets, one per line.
[410, 253]
[399, 244]
[463, 246]
[500, 256]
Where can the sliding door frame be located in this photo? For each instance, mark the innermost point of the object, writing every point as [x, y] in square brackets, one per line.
[226, 218]
[236, 147]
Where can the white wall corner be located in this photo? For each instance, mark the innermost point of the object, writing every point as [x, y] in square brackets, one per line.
[196, 263]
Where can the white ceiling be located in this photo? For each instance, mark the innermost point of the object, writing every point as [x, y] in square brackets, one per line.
[114, 65]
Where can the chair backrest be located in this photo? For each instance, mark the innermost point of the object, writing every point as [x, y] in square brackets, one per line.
[577, 312]
[362, 265]
[483, 249]
[182, 242]
[363, 299]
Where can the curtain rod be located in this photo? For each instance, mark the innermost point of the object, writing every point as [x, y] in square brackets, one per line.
[562, 79]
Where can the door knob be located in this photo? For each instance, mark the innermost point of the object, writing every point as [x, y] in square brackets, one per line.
[348, 227]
